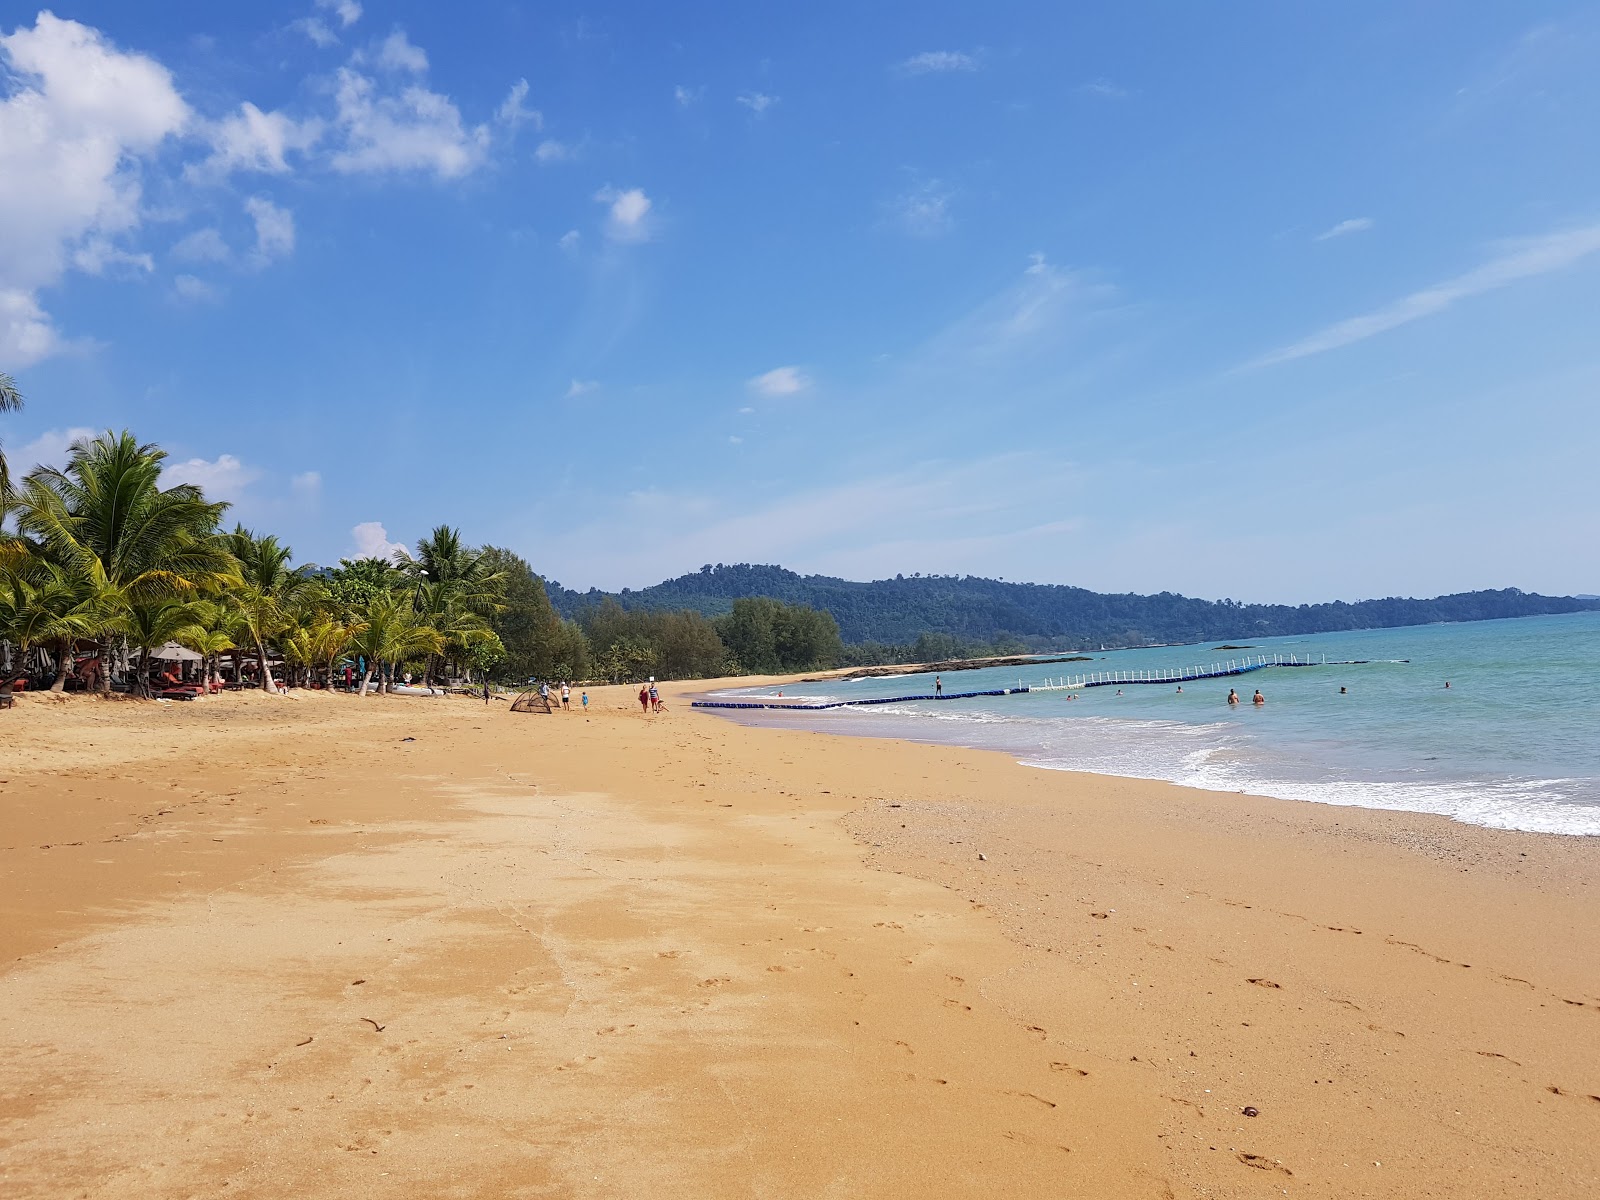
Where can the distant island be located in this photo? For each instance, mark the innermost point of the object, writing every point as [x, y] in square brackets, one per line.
[956, 612]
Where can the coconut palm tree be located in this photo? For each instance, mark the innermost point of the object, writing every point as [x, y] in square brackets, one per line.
[390, 635]
[10, 401]
[106, 517]
[270, 591]
[39, 603]
[151, 624]
[216, 630]
[315, 646]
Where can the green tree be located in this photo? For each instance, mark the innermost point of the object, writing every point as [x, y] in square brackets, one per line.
[41, 603]
[105, 518]
[269, 591]
[535, 638]
[151, 624]
[389, 636]
[10, 401]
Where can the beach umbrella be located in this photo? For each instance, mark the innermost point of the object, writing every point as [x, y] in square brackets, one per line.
[172, 652]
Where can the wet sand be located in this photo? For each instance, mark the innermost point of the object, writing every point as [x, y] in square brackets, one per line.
[264, 947]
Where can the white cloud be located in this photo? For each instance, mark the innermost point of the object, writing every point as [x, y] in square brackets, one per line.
[570, 241]
[98, 256]
[348, 11]
[306, 486]
[315, 30]
[396, 53]
[413, 129]
[252, 140]
[1525, 258]
[581, 387]
[1104, 89]
[686, 96]
[79, 116]
[735, 440]
[747, 409]
[757, 102]
[203, 245]
[225, 478]
[274, 229]
[26, 331]
[372, 541]
[49, 449]
[780, 381]
[552, 151]
[1353, 225]
[924, 211]
[194, 289]
[513, 114]
[627, 213]
[932, 61]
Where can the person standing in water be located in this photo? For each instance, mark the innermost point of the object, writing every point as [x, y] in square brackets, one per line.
[938, 686]
[1258, 699]
[1233, 696]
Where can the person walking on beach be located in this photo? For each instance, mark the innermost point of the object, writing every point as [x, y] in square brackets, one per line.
[644, 698]
[938, 686]
[586, 702]
[655, 696]
[566, 696]
[486, 691]
[544, 694]
[1258, 699]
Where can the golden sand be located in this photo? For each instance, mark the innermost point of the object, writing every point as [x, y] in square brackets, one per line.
[266, 947]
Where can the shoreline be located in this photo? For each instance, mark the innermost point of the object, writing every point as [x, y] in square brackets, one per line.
[683, 956]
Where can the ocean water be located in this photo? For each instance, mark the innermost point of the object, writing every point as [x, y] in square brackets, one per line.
[1513, 743]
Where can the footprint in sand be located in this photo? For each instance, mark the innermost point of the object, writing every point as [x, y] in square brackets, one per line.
[1069, 1068]
[1266, 983]
[1035, 1099]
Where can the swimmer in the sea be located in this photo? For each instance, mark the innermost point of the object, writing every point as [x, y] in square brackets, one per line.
[1341, 691]
[1233, 696]
[1258, 699]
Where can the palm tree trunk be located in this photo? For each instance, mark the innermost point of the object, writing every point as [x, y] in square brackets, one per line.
[261, 664]
[366, 677]
[64, 665]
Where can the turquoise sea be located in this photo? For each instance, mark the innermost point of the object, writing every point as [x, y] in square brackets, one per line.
[1513, 743]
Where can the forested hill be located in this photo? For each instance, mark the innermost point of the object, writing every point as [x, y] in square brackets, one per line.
[901, 609]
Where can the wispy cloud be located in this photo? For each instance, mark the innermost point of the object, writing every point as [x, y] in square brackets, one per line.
[756, 102]
[348, 11]
[685, 96]
[513, 113]
[1352, 225]
[931, 62]
[581, 387]
[570, 241]
[627, 213]
[1524, 258]
[194, 289]
[274, 229]
[1104, 89]
[551, 151]
[924, 211]
[780, 381]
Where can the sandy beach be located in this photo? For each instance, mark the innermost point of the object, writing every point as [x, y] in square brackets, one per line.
[314, 946]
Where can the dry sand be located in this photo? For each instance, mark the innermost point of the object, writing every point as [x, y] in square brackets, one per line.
[265, 947]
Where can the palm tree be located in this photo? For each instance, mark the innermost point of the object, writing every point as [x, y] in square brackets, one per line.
[151, 624]
[446, 608]
[39, 602]
[10, 401]
[390, 635]
[216, 628]
[106, 517]
[269, 592]
[316, 645]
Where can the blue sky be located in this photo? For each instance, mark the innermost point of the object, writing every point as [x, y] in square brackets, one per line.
[1277, 302]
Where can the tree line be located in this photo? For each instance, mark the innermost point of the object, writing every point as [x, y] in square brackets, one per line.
[887, 617]
[100, 564]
